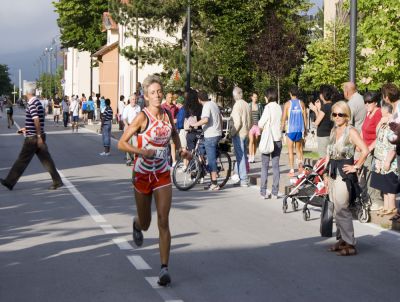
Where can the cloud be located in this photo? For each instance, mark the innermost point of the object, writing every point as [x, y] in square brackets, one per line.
[26, 24]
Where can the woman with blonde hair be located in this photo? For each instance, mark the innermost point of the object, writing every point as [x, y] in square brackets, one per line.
[341, 177]
[154, 127]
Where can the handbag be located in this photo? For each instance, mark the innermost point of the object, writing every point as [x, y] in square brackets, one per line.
[326, 218]
[266, 145]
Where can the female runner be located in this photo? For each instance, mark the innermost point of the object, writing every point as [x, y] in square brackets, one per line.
[154, 128]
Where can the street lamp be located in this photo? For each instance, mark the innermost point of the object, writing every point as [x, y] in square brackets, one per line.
[353, 40]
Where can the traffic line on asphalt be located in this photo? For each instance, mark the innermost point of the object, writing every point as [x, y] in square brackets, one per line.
[122, 243]
[8, 168]
[108, 229]
[138, 262]
[165, 295]
[96, 216]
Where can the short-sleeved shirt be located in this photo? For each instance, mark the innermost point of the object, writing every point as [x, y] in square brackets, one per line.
[34, 110]
[74, 108]
[383, 146]
[326, 124]
[358, 110]
[213, 126]
[130, 113]
[369, 127]
[107, 114]
[171, 108]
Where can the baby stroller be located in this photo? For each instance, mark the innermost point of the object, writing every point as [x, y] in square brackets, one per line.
[308, 188]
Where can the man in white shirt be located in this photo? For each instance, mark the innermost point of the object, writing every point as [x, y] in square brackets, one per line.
[128, 115]
[356, 104]
[211, 120]
[74, 109]
[130, 111]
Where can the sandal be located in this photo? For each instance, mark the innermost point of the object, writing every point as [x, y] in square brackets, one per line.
[389, 212]
[347, 250]
[395, 218]
[337, 246]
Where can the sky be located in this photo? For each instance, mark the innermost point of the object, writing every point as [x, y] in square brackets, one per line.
[27, 27]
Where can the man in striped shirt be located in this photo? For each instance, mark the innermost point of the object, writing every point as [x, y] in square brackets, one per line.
[34, 143]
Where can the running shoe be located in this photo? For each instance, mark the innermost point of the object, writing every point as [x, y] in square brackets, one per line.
[164, 278]
[104, 154]
[278, 196]
[137, 235]
[213, 187]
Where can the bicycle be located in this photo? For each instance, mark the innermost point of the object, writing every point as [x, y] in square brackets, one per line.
[187, 176]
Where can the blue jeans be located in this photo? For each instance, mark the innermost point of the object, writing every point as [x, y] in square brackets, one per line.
[106, 134]
[210, 144]
[240, 145]
[275, 155]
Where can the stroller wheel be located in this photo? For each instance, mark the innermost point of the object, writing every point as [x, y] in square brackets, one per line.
[363, 216]
[295, 205]
[306, 214]
[285, 204]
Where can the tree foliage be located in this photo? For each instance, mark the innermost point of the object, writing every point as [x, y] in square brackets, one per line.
[80, 23]
[5, 81]
[378, 48]
[50, 84]
[222, 31]
[327, 60]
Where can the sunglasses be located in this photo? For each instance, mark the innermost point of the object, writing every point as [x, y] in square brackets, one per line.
[339, 114]
[369, 102]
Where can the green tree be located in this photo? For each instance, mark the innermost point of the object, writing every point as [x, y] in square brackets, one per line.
[327, 60]
[80, 23]
[379, 27]
[378, 48]
[222, 31]
[5, 81]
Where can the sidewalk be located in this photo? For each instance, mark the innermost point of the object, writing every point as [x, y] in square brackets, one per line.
[255, 173]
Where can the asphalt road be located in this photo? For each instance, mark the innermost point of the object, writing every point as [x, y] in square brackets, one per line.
[74, 244]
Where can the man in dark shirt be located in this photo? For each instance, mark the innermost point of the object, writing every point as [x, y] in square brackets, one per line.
[34, 143]
[57, 109]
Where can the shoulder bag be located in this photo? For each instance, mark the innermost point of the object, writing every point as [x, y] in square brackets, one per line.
[266, 145]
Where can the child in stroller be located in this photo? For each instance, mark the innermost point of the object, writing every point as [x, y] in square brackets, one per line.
[309, 188]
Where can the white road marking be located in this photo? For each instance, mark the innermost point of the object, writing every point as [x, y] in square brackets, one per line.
[108, 229]
[153, 282]
[96, 216]
[122, 243]
[8, 168]
[138, 262]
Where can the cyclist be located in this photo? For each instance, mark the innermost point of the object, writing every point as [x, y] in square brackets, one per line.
[154, 128]
[211, 120]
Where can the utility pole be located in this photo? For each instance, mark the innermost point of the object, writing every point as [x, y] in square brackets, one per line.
[353, 40]
[188, 42]
[137, 57]
[20, 83]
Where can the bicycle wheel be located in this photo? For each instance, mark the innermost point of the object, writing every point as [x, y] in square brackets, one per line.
[224, 166]
[185, 178]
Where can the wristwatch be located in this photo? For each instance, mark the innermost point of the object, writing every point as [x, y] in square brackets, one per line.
[356, 167]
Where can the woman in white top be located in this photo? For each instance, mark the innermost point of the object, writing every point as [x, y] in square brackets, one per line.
[271, 118]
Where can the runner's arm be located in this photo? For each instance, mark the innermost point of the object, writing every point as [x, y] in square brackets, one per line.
[136, 126]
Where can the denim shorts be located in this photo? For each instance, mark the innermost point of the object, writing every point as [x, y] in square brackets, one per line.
[211, 144]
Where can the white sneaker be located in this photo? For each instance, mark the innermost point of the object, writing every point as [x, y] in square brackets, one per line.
[104, 154]
[278, 196]
[235, 178]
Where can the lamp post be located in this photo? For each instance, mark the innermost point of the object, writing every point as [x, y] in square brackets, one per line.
[188, 42]
[353, 40]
